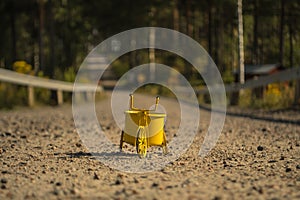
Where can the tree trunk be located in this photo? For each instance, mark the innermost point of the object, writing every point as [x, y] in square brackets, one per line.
[281, 32]
[152, 54]
[50, 68]
[291, 56]
[217, 34]
[209, 23]
[236, 95]
[189, 18]
[175, 16]
[41, 34]
[241, 41]
[132, 54]
[13, 32]
[255, 33]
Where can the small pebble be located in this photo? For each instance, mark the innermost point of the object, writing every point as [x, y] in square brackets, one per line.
[57, 192]
[260, 148]
[264, 129]
[136, 180]
[282, 158]
[154, 184]
[3, 180]
[272, 161]
[217, 198]
[96, 176]
[7, 133]
[288, 169]
[74, 191]
[118, 182]
[78, 145]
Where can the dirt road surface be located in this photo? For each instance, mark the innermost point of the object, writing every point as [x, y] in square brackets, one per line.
[256, 157]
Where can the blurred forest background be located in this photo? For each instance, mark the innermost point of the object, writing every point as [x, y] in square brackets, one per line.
[50, 38]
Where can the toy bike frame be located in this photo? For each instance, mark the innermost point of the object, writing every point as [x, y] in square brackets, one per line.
[144, 128]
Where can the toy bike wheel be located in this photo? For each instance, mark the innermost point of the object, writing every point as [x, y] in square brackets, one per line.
[141, 143]
[165, 149]
[121, 141]
[164, 145]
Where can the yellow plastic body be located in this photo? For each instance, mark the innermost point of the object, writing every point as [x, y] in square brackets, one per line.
[147, 123]
[152, 122]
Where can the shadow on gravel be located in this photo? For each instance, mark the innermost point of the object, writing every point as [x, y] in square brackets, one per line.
[102, 154]
[79, 154]
[257, 117]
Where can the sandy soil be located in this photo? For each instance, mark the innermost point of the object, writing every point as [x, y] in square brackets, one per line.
[256, 157]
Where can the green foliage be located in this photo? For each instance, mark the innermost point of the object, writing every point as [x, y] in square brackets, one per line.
[80, 26]
[228, 77]
[275, 96]
[42, 95]
[22, 67]
[12, 95]
[119, 67]
[155, 89]
[70, 75]
[56, 46]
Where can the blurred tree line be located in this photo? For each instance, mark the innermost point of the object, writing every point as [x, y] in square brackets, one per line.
[55, 35]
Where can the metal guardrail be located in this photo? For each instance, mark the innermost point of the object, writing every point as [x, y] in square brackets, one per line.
[60, 86]
[33, 81]
[28, 80]
[286, 75]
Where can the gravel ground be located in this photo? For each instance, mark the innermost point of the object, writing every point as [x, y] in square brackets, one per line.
[256, 157]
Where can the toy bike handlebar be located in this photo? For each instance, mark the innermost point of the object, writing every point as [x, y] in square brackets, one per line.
[137, 109]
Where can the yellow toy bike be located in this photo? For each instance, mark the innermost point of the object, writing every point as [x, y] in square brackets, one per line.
[144, 128]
